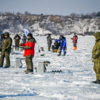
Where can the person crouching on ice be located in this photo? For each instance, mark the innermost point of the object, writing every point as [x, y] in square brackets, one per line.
[29, 52]
[62, 43]
[96, 57]
[75, 38]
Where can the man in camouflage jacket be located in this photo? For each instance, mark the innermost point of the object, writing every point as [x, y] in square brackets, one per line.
[6, 50]
[96, 57]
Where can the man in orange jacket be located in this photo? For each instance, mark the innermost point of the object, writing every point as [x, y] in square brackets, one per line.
[29, 52]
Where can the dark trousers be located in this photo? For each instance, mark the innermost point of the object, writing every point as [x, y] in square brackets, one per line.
[75, 45]
[62, 48]
[5, 55]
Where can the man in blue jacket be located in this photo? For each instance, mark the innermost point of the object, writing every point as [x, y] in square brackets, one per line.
[62, 43]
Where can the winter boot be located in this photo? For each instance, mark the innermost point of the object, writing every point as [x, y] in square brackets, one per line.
[28, 71]
[95, 82]
[98, 82]
[6, 67]
[59, 54]
[75, 48]
[63, 54]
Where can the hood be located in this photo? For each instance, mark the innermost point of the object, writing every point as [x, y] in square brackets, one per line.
[97, 36]
[6, 34]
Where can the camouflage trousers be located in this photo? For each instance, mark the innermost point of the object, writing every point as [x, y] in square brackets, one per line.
[97, 70]
[5, 55]
[29, 63]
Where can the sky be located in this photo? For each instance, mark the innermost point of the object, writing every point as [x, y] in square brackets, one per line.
[55, 7]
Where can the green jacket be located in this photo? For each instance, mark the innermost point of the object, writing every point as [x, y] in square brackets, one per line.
[96, 49]
[6, 45]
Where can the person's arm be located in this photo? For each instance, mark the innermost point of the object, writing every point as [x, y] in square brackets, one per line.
[96, 54]
[72, 38]
[30, 45]
[34, 40]
[57, 40]
[27, 47]
[64, 45]
[9, 44]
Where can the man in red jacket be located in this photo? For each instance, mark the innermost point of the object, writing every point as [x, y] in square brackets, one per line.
[29, 52]
[75, 38]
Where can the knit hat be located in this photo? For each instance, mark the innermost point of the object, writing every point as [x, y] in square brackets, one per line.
[30, 35]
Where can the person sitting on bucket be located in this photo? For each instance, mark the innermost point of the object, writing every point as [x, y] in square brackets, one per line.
[29, 52]
[62, 43]
[55, 47]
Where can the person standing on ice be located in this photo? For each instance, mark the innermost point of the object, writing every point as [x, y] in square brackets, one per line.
[29, 52]
[17, 41]
[96, 57]
[24, 38]
[6, 50]
[49, 41]
[75, 38]
[62, 43]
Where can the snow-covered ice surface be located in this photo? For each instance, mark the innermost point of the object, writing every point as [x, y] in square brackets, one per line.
[74, 83]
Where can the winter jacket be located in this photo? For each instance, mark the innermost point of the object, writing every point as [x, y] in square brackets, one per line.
[6, 45]
[29, 47]
[17, 39]
[96, 49]
[62, 42]
[56, 45]
[96, 56]
[75, 38]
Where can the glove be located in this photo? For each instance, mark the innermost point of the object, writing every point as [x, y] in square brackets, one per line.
[0, 49]
[5, 50]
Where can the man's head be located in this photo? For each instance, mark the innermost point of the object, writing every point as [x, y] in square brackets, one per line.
[97, 36]
[2, 35]
[6, 34]
[29, 36]
[61, 36]
[49, 35]
[74, 34]
[23, 34]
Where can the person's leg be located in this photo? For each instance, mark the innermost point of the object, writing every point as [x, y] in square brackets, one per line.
[64, 50]
[49, 46]
[97, 71]
[7, 59]
[2, 59]
[75, 46]
[26, 60]
[52, 48]
[30, 67]
[29, 64]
